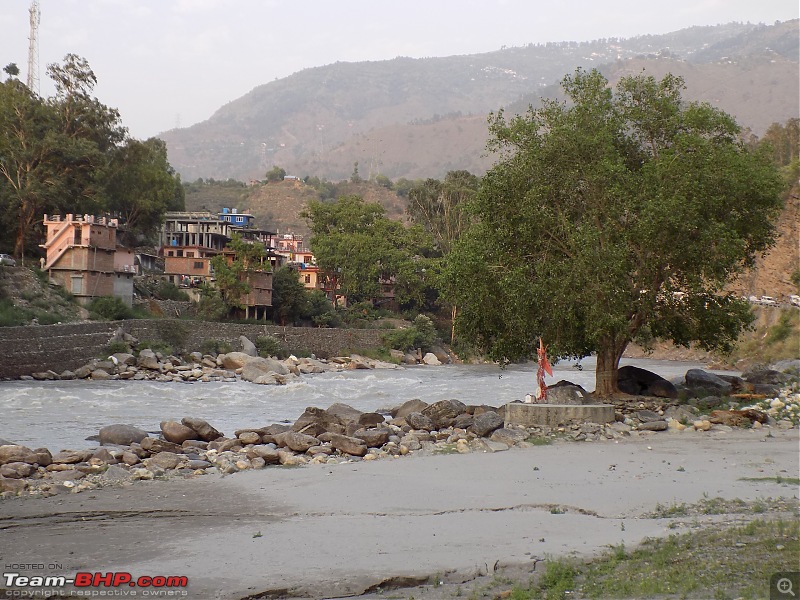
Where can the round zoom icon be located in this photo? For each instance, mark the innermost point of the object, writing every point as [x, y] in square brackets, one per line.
[784, 585]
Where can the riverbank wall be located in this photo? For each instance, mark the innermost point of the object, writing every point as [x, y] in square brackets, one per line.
[31, 349]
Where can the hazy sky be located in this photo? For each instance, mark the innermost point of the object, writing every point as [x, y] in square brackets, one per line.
[168, 63]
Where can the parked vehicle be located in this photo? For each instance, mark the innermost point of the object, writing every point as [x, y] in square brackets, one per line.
[768, 301]
[7, 259]
[794, 300]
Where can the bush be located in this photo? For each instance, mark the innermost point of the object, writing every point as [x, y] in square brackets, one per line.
[111, 308]
[117, 346]
[156, 346]
[169, 291]
[215, 347]
[422, 335]
[268, 345]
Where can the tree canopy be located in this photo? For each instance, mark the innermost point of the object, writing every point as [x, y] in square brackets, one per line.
[599, 210]
[356, 244]
[70, 153]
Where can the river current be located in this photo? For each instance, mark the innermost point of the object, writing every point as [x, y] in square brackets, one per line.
[62, 414]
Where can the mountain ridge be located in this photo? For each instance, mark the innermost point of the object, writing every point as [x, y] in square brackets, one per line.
[313, 122]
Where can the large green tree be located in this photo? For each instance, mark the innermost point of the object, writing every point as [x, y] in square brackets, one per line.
[231, 277]
[140, 186]
[360, 248]
[599, 210]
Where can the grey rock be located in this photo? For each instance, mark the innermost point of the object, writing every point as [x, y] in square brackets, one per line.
[205, 431]
[197, 463]
[653, 426]
[66, 457]
[100, 375]
[165, 460]
[267, 453]
[258, 366]
[299, 442]
[15, 486]
[154, 445]
[177, 433]
[344, 412]
[121, 435]
[315, 421]
[373, 438]
[700, 379]
[248, 347]
[249, 437]
[444, 412]
[566, 393]
[116, 474]
[66, 375]
[485, 423]
[463, 421]
[83, 372]
[509, 436]
[406, 408]
[641, 382]
[16, 453]
[348, 445]
[495, 446]
[16, 470]
[371, 419]
[125, 358]
[417, 420]
[431, 360]
[766, 376]
[647, 416]
[148, 360]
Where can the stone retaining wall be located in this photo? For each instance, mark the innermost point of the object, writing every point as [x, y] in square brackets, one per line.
[26, 350]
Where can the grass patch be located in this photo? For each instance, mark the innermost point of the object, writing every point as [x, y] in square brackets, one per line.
[777, 479]
[445, 449]
[719, 562]
[721, 506]
[539, 440]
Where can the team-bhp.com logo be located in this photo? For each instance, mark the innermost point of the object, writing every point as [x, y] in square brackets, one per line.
[94, 585]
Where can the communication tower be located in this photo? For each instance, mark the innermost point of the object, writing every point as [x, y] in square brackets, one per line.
[33, 48]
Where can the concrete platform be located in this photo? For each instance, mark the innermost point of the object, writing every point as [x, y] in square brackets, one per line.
[529, 415]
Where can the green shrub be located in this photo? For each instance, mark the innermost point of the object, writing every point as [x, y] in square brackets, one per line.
[169, 291]
[215, 347]
[117, 346]
[156, 346]
[268, 345]
[111, 308]
[422, 334]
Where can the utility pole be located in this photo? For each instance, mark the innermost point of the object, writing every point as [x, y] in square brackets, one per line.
[33, 48]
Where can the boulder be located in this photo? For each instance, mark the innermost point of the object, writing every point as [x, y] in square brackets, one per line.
[565, 392]
[441, 354]
[205, 431]
[509, 436]
[121, 435]
[43, 457]
[100, 375]
[417, 420]
[267, 453]
[15, 486]
[234, 360]
[703, 380]
[177, 433]
[16, 453]
[431, 360]
[444, 412]
[406, 408]
[16, 470]
[485, 423]
[124, 358]
[371, 419]
[70, 457]
[165, 460]
[249, 437]
[348, 445]
[299, 442]
[344, 412]
[463, 421]
[248, 347]
[766, 376]
[309, 366]
[373, 438]
[653, 426]
[154, 446]
[315, 421]
[258, 366]
[148, 360]
[641, 382]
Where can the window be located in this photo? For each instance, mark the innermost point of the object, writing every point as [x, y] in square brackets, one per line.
[190, 255]
[198, 264]
[180, 252]
[308, 278]
[240, 219]
[169, 253]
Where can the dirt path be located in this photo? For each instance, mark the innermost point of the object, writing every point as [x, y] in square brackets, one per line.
[335, 531]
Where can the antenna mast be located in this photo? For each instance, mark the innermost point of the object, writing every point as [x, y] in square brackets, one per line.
[33, 48]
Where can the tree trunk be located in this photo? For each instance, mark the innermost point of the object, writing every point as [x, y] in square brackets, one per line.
[607, 371]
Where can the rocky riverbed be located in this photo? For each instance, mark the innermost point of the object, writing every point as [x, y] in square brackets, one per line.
[702, 402]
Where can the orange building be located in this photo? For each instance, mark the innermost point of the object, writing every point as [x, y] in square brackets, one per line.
[83, 257]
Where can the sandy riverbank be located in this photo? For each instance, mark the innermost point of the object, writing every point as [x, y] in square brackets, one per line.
[333, 531]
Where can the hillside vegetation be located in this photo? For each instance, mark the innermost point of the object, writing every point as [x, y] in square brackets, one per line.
[419, 118]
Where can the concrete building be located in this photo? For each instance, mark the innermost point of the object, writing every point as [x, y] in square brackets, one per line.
[82, 255]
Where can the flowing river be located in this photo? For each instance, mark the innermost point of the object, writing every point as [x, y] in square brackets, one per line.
[62, 414]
